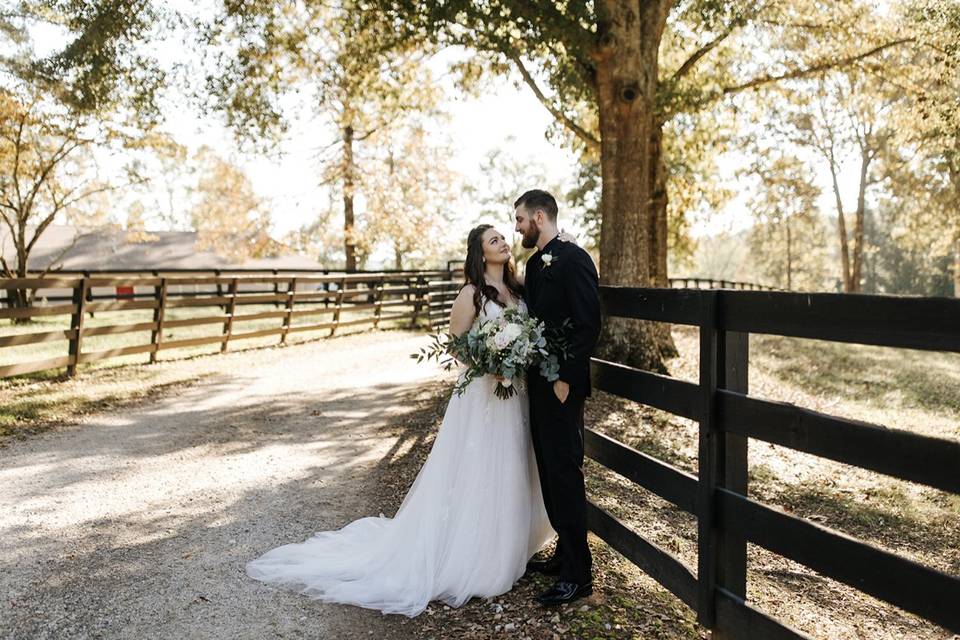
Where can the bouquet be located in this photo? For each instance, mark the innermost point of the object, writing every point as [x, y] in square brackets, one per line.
[504, 346]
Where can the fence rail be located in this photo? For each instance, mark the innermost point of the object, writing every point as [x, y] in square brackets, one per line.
[444, 292]
[369, 298]
[728, 417]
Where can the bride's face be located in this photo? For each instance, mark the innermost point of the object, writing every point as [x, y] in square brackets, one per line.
[495, 247]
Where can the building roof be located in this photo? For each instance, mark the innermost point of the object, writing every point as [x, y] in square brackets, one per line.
[116, 249]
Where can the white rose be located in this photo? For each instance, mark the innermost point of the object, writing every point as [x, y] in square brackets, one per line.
[547, 259]
[513, 330]
[501, 340]
[506, 335]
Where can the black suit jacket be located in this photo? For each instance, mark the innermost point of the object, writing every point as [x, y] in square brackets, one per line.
[567, 288]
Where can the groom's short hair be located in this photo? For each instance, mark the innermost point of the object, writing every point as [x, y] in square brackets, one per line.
[538, 199]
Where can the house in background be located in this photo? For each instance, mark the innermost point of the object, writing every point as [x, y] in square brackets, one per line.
[70, 248]
[73, 249]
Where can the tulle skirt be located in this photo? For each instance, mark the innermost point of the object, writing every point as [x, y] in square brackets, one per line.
[466, 528]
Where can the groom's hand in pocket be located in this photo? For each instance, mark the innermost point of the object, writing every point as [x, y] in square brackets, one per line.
[561, 389]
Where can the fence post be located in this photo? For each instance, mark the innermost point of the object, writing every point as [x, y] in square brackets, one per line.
[379, 308]
[88, 296]
[418, 296]
[326, 290]
[291, 290]
[336, 313]
[156, 336]
[216, 274]
[80, 292]
[428, 297]
[276, 287]
[231, 310]
[708, 467]
[722, 557]
[733, 374]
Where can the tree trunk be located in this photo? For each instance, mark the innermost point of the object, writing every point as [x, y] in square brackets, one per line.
[21, 298]
[659, 232]
[626, 76]
[856, 275]
[842, 231]
[789, 257]
[349, 243]
[658, 207]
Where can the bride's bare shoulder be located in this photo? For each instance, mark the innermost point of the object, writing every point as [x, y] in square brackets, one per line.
[463, 312]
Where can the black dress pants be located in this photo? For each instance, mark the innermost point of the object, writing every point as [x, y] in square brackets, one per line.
[557, 431]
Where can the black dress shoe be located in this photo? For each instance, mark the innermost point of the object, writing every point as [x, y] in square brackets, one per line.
[562, 592]
[549, 567]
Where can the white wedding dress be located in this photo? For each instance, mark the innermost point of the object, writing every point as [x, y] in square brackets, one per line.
[467, 527]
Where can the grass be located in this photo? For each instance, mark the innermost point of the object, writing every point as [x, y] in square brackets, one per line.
[898, 388]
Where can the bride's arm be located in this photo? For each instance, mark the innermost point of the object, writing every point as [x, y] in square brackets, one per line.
[463, 313]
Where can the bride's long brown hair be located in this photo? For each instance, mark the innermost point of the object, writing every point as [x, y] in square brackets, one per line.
[473, 271]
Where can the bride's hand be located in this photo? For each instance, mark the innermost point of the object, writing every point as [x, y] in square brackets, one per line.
[566, 237]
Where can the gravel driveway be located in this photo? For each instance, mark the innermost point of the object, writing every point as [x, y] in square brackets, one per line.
[137, 523]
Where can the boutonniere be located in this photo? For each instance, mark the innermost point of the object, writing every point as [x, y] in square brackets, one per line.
[548, 260]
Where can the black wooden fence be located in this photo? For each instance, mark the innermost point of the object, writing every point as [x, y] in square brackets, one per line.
[728, 417]
[443, 293]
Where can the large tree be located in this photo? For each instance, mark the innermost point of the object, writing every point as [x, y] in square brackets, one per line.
[604, 60]
[926, 167]
[845, 118]
[788, 238]
[408, 191]
[101, 65]
[361, 77]
[46, 170]
[229, 217]
[95, 88]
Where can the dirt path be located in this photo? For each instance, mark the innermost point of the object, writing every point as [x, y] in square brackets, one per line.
[137, 524]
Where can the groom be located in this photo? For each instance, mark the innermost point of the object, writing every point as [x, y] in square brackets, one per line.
[561, 283]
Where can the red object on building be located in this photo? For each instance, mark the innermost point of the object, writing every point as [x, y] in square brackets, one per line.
[124, 292]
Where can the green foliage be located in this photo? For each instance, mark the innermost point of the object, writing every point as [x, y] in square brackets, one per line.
[102, 65]
[406, 183]
[898, 265]
[789, 239]
[367, 85]
[350, 63]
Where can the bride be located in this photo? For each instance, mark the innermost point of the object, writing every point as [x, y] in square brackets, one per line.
[473, 516]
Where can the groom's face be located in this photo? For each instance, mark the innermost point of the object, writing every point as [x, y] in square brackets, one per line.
[527, 227]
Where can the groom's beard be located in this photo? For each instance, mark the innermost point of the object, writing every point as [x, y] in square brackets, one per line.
[531, 237]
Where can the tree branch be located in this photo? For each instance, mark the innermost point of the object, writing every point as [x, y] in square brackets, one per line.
[699, 53]
[817, 68]
[7, 273]
[710, 46]
[590, 140]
